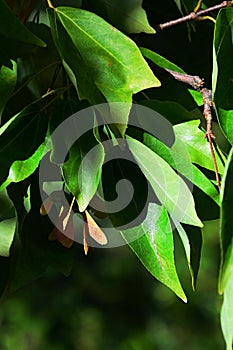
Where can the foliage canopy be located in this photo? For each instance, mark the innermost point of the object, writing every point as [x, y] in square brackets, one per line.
[78, 56]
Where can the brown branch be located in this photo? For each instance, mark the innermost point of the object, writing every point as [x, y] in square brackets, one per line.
[192, 16]
[208, 106]
[198, 84]
[193, 80]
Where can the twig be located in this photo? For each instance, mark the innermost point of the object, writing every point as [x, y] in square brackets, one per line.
[193, 80]
[194, 15]
[208, 106]
[50, 4]
[198, 84]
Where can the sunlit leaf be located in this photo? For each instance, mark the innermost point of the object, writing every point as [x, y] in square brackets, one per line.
[21, 169]
[178, 158]
[197, 146]
[152, 242]
[22, 137]
[170, 188]
[99, 69]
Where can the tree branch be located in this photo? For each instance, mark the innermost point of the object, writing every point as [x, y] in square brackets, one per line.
[198, 84]
[194, 15]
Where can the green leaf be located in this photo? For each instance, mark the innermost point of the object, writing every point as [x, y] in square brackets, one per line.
[227, 314]
[166, 64]
[82, 171]
[191, 238]
[152, 242]
[125, 188]
[174, 112]
[21, 169]
[128, 16]
[178, 158]
[160, 60]
[8, 78]
[22, 137]
[169, 187]
[11, 28]
[189, 5]
[223, 71]
[185, 7]
[178, 4]
[7, 231]
[226, 237]
[95, 64]
[197, 146]
[7, 223]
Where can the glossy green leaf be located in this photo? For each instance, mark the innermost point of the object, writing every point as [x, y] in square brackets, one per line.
[82, 171]
[96, 65]
[160, 60]
[223, 71]
[22, 137]
[227, 314]
[169, 187]
[128, 16]
[11, 28]
[8, 78]
[197, 146]
[7, 223]
[226, 234]
[152, 242]
[178, 158]
[21, 169]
